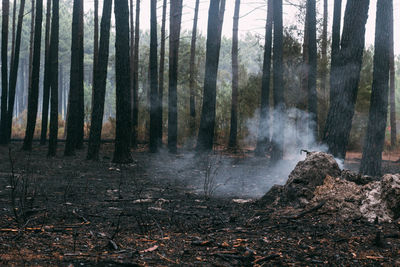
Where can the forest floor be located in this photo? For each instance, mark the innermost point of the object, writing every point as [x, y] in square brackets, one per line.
[166, 210]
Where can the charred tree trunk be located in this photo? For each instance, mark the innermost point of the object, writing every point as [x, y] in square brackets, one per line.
[33, 93]
[54, 80]
[263, 138]
[14, 72]
[46, 78]
[135, 82]
[192, 73]
[81, 100]
[95, 44]
[14, 19]
[335, 49]
[161, 74]
[214, 29]
[392, 97]
[345, 78]
[235, 77]
[31, 40]
[4, 71]
[154, 104]
[99, 84]
[279, 101]
[123, 119]
[175, 28]
[312, 71]
[373, 145]
[73, 116]
[324, 69]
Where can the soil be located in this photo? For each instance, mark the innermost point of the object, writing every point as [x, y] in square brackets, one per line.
[162, 211]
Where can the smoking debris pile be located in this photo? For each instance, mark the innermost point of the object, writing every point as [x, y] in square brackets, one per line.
[318, 180]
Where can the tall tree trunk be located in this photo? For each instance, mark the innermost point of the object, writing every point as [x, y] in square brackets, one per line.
[324, 69]
[263, 138]
[54, 36]
[31, 40]
[192, 73]
[95, 43]
[235, 77]
[123, 119]
[393, 126]
[73, 118]
[14, 19]
[14, 72]
[99, 84]
[312, 71]
[279, 101]
[132, 57]
[135, 82]
[345, 78]
[161, 74]
[373, 145]
[33, 93]
[81, 94]
[4, 71]
[46, 78]
[205, 137]
[154, 104]
[175, 28]
[335, 49]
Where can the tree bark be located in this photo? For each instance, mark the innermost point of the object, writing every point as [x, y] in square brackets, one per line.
[4, 71]
[161, 74]
[31, 40]
[33, 93]
[335, 49]
[263, 138]
[135, 111]
[192, 73]
[235, 77]
[373, 145]
[205, 137]
[345, 78]
[54, 39]
[81, 100]
[123, 118]
[95, 43]
[392, 86]
[99, 85]
[279, 101]
[175, 28]
[46, 78]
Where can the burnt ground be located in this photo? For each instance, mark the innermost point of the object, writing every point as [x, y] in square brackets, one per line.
[154, 212]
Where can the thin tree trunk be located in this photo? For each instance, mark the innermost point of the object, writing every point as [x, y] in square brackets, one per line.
[345, 77]
[205, 137]
[123, 119]
[192, 73]
[235, 77]
[175, 28]
[14, 19]
[161, 74]
[81, 94]
[4, 71]
[135, 111]
[46, 78]
[132, 57]
[33, 93]
[393, 126]
[31, 40]
[324, 70]
[154, 104]
[99, 85]
[73, 118]
[95, 43]
[279, 101]
[54, 36]
[312, 71]
[373, 145]
[263, 139]
[335, 49]
[14, 71]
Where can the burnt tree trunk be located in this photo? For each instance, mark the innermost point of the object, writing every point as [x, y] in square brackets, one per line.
[123, 116]
[31, 40]
[161, 74]
[373, 145]
[235, 77]
[99, 84]
[54, 36]
[95, 43]
[154, 104]
[279, 101]
[81, 100]
[392, 88]
[4, 71]
[46, 78]
[135, 82]
[205, 137]
[33, 91]
[192, 73]
[335, 48]
[263, 138]
[175, 28]
[345, 78]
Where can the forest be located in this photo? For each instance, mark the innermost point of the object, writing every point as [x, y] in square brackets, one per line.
[199, 133]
